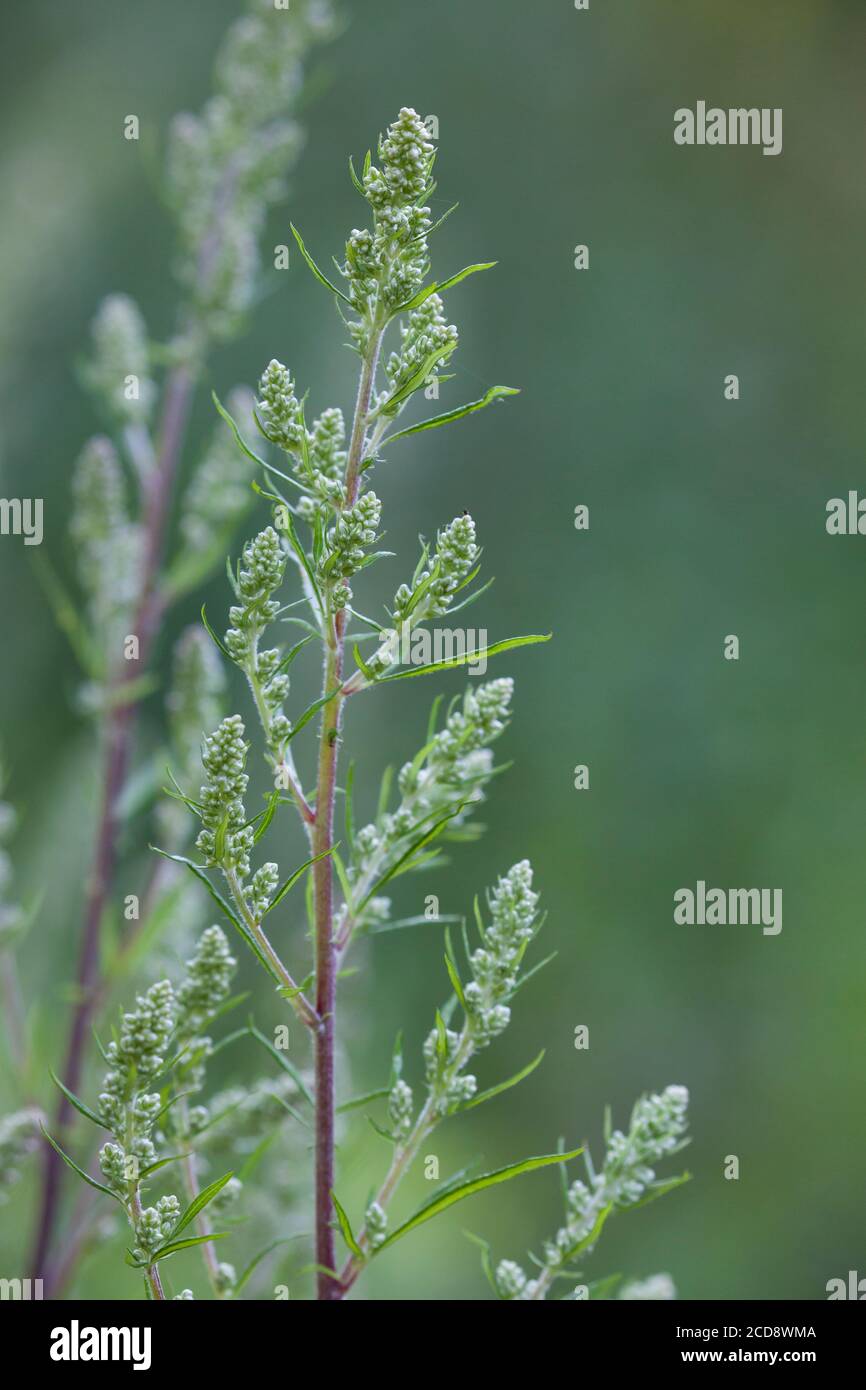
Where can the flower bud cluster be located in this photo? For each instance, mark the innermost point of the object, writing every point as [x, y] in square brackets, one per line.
[228, 164]
[119, 371]
[19, 1137]
[425, 337]
[193, 705]
[225, 838]
[452, 772]
[495, 964]
[263, 565]
[108, 545]
[385, 266]
[433, 589]
[657, 1129]
[355, 529]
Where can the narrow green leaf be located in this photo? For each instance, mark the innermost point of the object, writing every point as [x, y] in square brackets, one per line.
[438, 223]
[358, 1102]
[312, 710]
[486, 1262]
[455, 979]
[322, 278]
[282, 1061]
[355, 180]
[368, 673]
[70, 1163]
[345, 885]
[293, 878]
[346, 1228]
[295, 542]
[438, 286]
[449, 416]
[349, 809]
[176, 1245]
[67, 617]
[161, 1162]
[254, 1263]
[467, 658]
[236, 432]
[419, 921]
[504, 1085]
[590, 1239]
[524, 979]
[210, 632]
[413, 383]
[290, 656]
[468, 1189]
[225, 908]
[79, 1105]
[199, 1203]
[270, 812]
[661, 1189]
[441, 1038]
[180, 795]
[405, 859]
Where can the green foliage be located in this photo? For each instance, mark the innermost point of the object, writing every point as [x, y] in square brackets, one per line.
[300, 568]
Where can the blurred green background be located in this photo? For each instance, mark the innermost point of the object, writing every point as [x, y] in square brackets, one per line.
[707, 518]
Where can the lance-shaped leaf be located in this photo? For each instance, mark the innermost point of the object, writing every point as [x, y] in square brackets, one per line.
[413, 383]
[346, 1228]
[79, 1105]
[300, 552]
[293, 878]
[213, 636]
[467, 658]
[320, 276]
[70, 1163]
[468, 1189]
[439, 285]
[245, 448]
[196, 1206]
[225, 908]
[504, 1085]
[405, 860]
[283, 1062]
[254, 1263]
[495, 393]
[68, 619]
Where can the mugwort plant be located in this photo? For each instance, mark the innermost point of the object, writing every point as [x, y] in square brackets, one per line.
[178, 1159]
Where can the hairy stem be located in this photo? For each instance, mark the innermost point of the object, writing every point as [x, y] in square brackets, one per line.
[328, 1288]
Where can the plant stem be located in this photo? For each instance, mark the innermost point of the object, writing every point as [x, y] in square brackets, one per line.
[300, 1003]
[403, 1157]
[151, 1273]
[120, 730]
[191, 1183]
[328, 1288]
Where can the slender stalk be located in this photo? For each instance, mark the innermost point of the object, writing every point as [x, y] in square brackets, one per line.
[328, 1288]
[191, 1184]
[120, 731]
[300, 1003]
[404, 1155]
[151, 1273]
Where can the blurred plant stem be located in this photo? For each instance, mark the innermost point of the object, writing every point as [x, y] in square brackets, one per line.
[121, 723]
